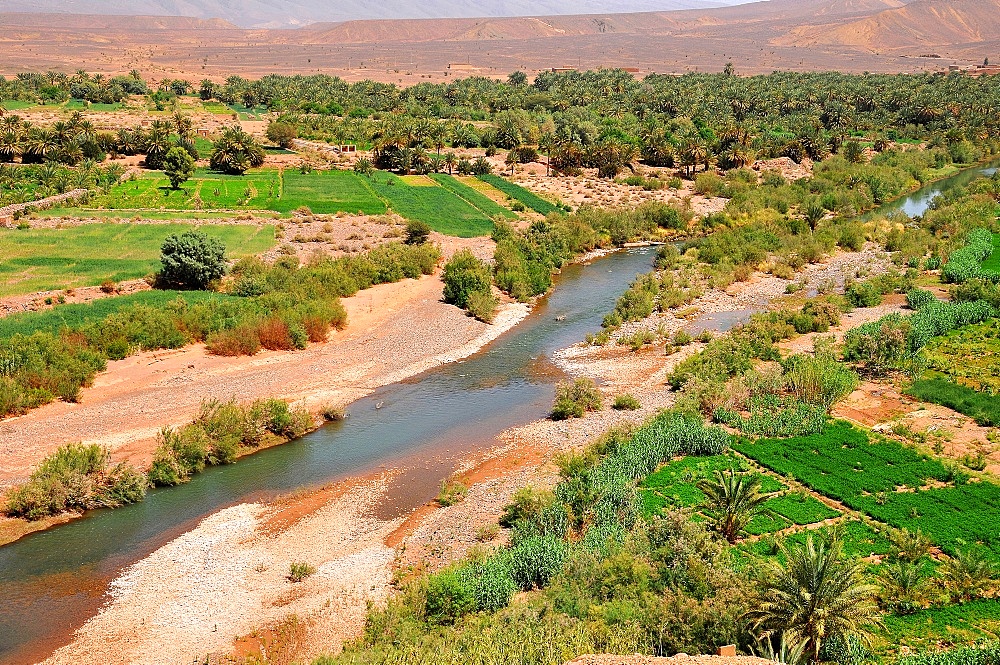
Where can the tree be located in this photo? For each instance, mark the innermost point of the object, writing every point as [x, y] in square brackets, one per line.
[192, 260]
[517, 78]
[967, 575]
[282, 134]
[819, 593]
[417, 232]
[731, 501]
[179, 166]
[236, 151]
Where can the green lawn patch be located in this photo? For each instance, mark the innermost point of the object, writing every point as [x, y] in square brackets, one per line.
[17, 104]
[981, 407]
[327, 192]
[47, 259]
[518, 193]
[438, 207]
[477, 199]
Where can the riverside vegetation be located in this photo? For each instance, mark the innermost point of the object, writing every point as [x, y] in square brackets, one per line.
[680, 534]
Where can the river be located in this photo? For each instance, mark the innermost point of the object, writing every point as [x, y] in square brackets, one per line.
[54, 580]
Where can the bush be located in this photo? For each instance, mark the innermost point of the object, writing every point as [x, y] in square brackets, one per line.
[283, 134]
[482, 305]
[192, 260]
[417, 232]
[536, 560]
[863, 294]
[626, 402]
[452, 492]
[917, 298]
[464, 275]
[576, 398]
[75, 477]
[449, 595]
[298, 571]
[178, 165]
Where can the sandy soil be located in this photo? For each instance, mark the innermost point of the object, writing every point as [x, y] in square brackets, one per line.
[679, 659]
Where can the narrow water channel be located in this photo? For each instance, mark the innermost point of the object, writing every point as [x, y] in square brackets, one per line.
[52, 581]
[919, 202]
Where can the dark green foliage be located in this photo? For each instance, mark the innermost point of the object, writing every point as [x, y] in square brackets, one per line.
[917, 298]
[464, 275]
[775, 416]
[967, 262]
[179, 165]
[192, 260]
[75, 477]
[981, 407]
[417, 232]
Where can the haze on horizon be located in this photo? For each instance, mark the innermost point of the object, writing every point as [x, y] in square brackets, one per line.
[291, 13]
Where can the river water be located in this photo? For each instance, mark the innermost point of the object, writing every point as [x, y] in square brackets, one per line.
[54, 580]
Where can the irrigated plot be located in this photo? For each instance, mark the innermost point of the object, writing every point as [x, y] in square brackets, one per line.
[438, 207]
[205, 191]
[49, 259]
[327, 192]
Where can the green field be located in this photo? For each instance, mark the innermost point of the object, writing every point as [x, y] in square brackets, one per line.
[969, 355]
[17, 105]
[981, 407]
[80, 314]
[443, 202]
[473, 197]
[326, 192]
[992, 262]
[258, 190]
[48, 259]
[889, 482]
[518, 193]
[437, 206]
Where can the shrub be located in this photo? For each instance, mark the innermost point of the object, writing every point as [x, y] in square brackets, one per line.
[626, 402]
[452, 492]
[192, 260]
[178, 165]
[298, 571]
[75, 477]
[863, 294]
[449, 595]
[282, 134]
[482, 305]
[576, 398]
[417, 232]
[464, 275]
[917, 298]
[242, 341]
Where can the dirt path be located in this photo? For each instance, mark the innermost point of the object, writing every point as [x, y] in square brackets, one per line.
[394, 331]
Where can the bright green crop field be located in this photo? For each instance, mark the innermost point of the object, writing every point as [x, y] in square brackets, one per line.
[258, 190]
[47, 259]
[327, 192]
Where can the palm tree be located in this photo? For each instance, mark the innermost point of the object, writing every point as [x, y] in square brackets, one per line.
[819, 593]
[511, 160]
[731, 501]
[904, 586]
[967, 574]
[450, 160]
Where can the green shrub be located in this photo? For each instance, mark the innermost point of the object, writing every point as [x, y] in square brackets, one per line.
[75, 477]
[536, 560]
[917, 298]
[452, 492]
[626, 402]
[192, 260]
[298, 571]
[482, 305]
[863, 294]
[464, 275]
[417, 232]
[574, 399]
[449, 596]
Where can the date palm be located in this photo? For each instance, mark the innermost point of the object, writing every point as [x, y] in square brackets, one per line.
[967, 575]
[731, 501]
[818, 594]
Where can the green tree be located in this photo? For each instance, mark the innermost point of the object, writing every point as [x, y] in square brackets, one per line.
[179, 166]
[417, 232]
[282, 134]
[731, 501]
[192, 260]
[818, 594]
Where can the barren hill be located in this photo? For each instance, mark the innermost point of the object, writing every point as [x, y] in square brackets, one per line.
[918, 24]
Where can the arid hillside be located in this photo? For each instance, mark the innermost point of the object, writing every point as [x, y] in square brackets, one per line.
[920, 23]
[758, 37]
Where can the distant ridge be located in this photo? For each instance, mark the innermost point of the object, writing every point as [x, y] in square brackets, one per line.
[291, 13]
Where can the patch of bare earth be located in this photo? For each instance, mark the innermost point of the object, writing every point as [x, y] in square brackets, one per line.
[679, 659]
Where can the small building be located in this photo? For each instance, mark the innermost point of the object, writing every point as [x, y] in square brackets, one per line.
[563, 70]
[348, 148]
[204, 132]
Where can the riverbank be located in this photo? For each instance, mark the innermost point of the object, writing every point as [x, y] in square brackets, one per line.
[394, 331]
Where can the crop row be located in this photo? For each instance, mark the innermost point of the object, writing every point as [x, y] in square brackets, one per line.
[518, 193]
